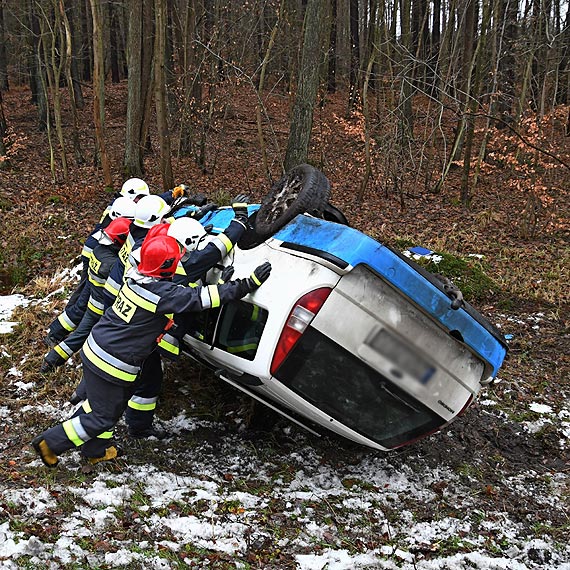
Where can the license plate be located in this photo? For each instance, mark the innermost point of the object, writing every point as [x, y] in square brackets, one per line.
[402, 357]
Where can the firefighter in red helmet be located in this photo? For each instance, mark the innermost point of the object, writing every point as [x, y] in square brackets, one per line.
[123, 339]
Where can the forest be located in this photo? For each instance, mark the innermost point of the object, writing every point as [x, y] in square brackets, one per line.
[429, 86]
[442, 123]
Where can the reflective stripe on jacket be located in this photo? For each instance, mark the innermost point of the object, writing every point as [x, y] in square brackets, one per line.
[127, 333]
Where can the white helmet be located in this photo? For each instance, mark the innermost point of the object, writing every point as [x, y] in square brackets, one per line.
[134, 187]
[150, 210]
[122, 207]
[187, 232]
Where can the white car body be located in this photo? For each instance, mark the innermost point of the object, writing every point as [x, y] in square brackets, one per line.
[408, 360]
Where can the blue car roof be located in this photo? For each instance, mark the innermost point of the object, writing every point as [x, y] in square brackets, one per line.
[355, 248]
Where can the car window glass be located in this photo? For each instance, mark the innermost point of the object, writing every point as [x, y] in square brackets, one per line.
[240, 328]
[341, 385]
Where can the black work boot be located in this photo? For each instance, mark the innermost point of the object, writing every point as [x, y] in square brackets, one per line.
[151, 431]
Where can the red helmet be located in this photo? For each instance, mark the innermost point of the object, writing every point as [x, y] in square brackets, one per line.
[116, 232]
[159, 257]
[157, 230]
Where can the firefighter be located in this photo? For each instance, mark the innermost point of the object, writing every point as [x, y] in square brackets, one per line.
[149, 212]
[121, 206]
[123, 339]
[195, 263]
[133, 190]
[102, 258]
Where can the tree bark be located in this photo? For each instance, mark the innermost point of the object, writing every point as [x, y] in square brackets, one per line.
[261, 84]
[51, 39]
[302, 117]
[342, 43]
[139, 94]
[99, 90]
[76, 56]
[160, 93]
[191, 78]
[4, 161]
[365, 107]
[114, 44]
[354, 55]
[70, 83]
[3, 57]
[405, 114]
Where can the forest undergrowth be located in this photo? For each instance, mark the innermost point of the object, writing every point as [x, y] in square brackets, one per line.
[510, 248]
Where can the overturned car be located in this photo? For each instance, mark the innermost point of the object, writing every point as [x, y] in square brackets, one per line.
[347, 334]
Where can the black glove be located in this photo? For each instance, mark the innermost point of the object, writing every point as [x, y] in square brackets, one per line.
[197, 199]
[226, 275]
[239, 204]
[259, 276]
[201, 212]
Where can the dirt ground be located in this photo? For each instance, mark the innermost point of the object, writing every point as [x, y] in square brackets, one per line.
[44, 222]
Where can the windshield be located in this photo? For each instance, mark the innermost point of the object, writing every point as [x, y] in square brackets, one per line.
[344, 387]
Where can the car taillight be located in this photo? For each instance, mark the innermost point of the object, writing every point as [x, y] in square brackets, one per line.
[299, 319]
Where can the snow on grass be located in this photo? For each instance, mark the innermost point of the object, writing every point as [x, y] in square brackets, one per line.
[226, 500]
[322, 501]
[7, 305]
[540, 408]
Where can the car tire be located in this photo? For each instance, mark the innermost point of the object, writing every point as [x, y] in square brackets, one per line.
[302, 189]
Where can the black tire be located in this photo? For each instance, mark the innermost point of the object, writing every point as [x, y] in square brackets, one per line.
[302, 189]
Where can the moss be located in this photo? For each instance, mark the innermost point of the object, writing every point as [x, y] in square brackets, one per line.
[468, 273]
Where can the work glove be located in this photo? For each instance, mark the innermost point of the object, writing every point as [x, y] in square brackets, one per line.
[201, 212]
[259, 276]
[226, 274]
[179, 191]
[239, 204]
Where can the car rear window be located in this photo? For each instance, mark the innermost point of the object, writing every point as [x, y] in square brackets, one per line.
[341, 385]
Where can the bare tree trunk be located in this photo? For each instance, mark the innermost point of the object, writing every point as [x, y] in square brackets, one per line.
[331, 72]
[405, 114]
[70, 83]
[191, 78]
[476, 80]
[365, 107]
[36, 72]
[77, 43]
[260, 86]
[4, 161]
[3, 57]
[342, 43]
[51, 38]
[87, 58]
[99, 90]
[114, 43]
[302, 119]
[506, 61]
[354, 54]
[140, 86]
[160, 94]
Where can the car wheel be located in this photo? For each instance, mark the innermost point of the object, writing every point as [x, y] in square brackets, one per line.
[302, 189]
